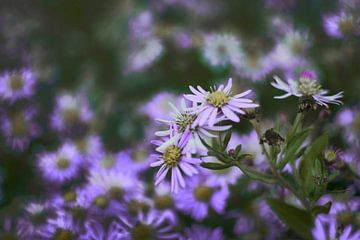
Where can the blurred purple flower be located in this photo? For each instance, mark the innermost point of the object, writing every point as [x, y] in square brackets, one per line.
[198, 232]
[140, 26]
[340, 25]
[199, 196]
[62, 165]
[17, 85]
[19, 128]
[158, 106]
[95, 230]
[69, 111]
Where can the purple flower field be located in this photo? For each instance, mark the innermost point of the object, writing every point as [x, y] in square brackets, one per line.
[179, 120]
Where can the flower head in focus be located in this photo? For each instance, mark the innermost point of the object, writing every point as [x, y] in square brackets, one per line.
[172, 157]
[222, 49]
[217, 103]
[308, 89]
[17, 85]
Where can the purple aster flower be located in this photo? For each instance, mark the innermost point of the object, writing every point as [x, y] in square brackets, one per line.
[198, 232]
[172, 156]
[69, 111]
[220, 102]
[60, 227]
[199, 196]
[117, 185]
[183, 40]
[137, 159]
[96, 231]
[181, 125]
[341, 24]
[19, 128]
[349, 119]
[255, 67]
[308, 87]
[62, 165]
[326, 227]
[152, 225]
[10, 230]
[90, 147]
[17, 85]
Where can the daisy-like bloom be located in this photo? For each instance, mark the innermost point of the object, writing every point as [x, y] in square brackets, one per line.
[19, 128]
[327, 227]
[212, 106]
[17, 85]
[340, 25]
[116, 185]
[200, 195]
[62, 165]
[222, 49]
[172, 157]
[151, 225]
[94, 230]
[70, 110]
[90, 147]
[58, 228]
[307, 88]
[198, 232]
[181, 125]
[144, 54]
[255, 67]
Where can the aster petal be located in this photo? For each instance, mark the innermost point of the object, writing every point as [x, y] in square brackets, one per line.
[242, 94]
[180, 177]
[228, 87]
[157, 163]
[212, 117]
[194, 98]
[230, 114]
[205, 116]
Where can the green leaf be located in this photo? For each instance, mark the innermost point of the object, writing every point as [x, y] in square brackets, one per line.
[251, 173]
[321, 208]
[237, 150]
[215, 166]
[292, 147]
[226, 140]
[297, 219]
[308, 165]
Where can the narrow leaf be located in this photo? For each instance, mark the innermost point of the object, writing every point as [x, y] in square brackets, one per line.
[251, 173]
[321, 208]
[215, 166]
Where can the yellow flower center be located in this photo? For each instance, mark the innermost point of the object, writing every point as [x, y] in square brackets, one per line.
[135, 206]
[172, 155]
[116, 192]
[16, 82]
[163, 202]
[203, 193]
[346, 26]
[308, 87]
[143, 232]
[69, 196]
[71, 115]
[19, 126]
[63, 163]
[101, 201]
[184, 121]
[218, 99]
[63, 234]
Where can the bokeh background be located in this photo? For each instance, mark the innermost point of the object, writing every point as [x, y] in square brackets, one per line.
[124, 60]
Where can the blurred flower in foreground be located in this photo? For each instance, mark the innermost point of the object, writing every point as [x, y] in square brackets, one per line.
[220, 102]
[200, 195]
[173, 157]
[17, 85]
[158, 106]
[19, 128]
[198, 232]
[341, 25]
[61, 165]
[70, 110]
[151, 225]
[222, 49]
[307, 88]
